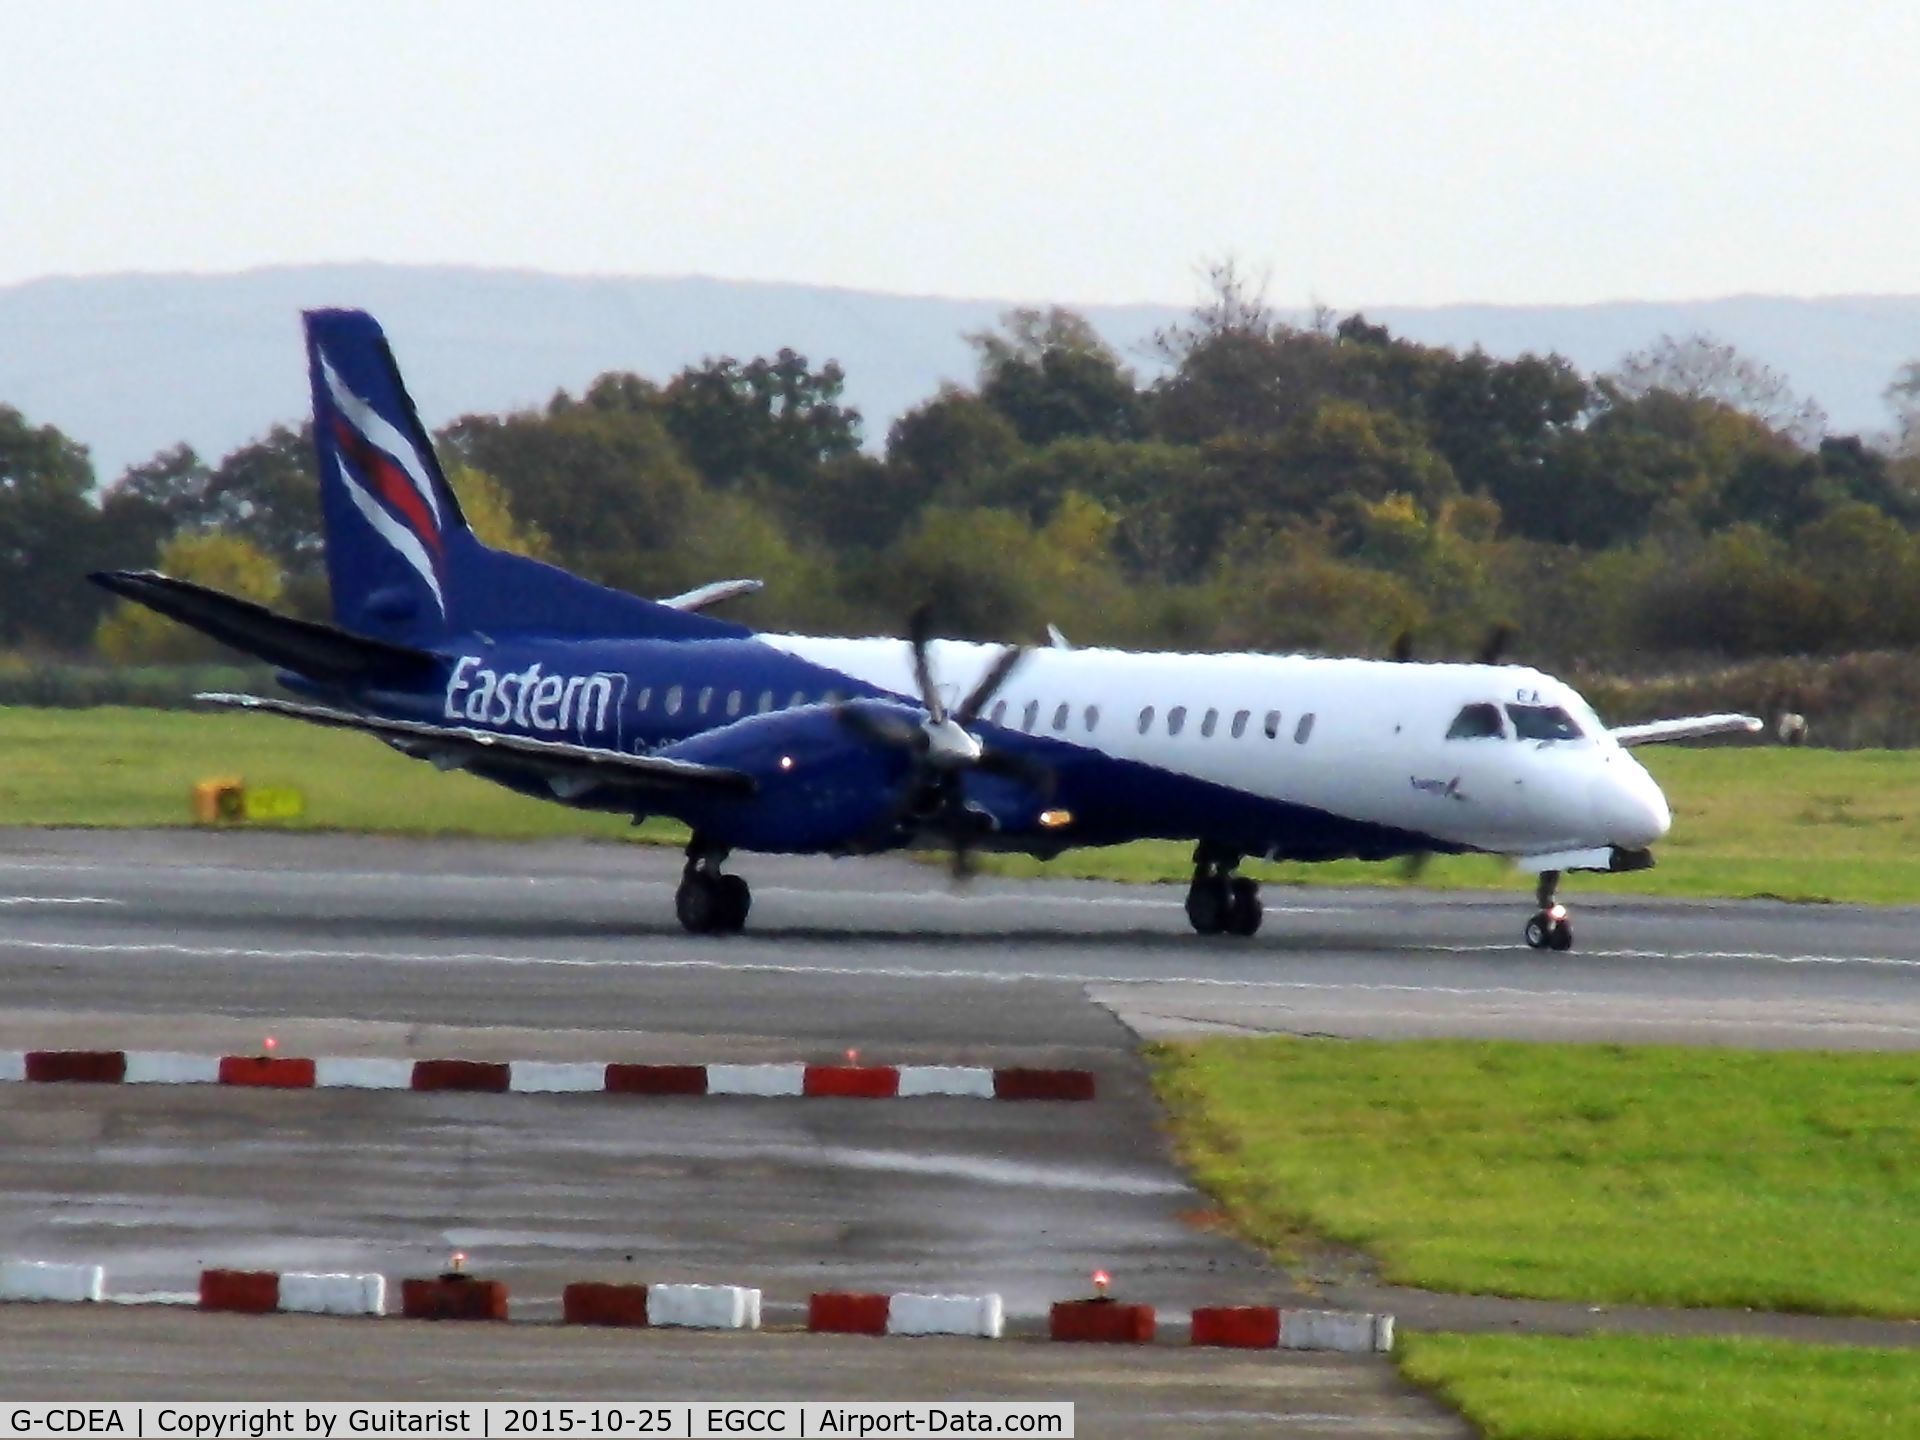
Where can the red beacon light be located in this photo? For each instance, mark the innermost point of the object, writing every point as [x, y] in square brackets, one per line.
[853, 1056]
[1101, 1280]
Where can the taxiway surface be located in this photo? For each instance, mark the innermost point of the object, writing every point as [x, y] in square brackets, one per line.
[347, 945]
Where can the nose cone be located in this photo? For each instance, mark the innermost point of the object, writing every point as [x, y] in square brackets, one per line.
[1628, 806]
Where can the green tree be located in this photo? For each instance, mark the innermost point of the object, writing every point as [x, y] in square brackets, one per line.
[777, 419]
[133, 634]
[49, 534]
[483, 501]
[1052, 376]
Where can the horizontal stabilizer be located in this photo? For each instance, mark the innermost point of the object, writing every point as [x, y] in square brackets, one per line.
[576, 766]
[692, 601]
[322, 652]
[1693, 727]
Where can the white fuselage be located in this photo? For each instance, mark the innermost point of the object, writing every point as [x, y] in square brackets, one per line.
[1367, 740]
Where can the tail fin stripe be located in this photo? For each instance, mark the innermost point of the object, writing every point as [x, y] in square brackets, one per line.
[394, 533]
[374, 427]
[387, 479]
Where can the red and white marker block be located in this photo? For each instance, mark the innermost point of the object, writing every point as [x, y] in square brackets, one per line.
[544, 1077]
[982, 1316]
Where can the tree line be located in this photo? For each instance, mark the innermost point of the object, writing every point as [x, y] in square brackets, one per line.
[1326, 486]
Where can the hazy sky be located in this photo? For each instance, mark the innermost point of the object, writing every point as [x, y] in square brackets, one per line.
[1357, 152]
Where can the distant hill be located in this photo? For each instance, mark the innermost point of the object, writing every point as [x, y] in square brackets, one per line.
[130, 364]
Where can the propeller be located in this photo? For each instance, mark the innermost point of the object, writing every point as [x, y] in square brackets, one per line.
[944, 746]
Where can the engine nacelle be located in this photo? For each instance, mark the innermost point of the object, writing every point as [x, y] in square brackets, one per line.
[821, 786]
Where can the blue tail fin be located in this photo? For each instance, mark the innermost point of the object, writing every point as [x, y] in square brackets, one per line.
[401, 561]
[391, 517]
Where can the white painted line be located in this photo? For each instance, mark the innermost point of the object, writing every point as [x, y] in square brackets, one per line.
[543, 1077]
[973, 1081]
[756, 1079]
[981, 1315]
[58, 900]
[39, 1280]
[906, 972]
[362, 1074]
[162, 1067]
[333, 1294]
[704, 1307]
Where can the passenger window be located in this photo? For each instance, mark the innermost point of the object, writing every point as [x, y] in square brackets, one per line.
[1032, 713]
[1240, 718]
[766, 701]
[1176, 719]
[1208, 723]
[1060, 716]
[1146, 719]
[832, 697]
[1303, 729]
[1273, 724]
[706, 699]
[799, 699]
[1543, 722]
[1477, 722]
[673, 699]
[999, 712]
[1093, 718]
[733, 703]
[646, 697]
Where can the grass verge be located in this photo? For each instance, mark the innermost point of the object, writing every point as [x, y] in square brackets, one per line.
[118, 767]
[1600, 1173]
[1811, 825]
[1635, 1387]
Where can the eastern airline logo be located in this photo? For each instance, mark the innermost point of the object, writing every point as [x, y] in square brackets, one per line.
[386, 479]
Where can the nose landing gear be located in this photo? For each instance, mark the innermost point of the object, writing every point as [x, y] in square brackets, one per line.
[1219, 901]
[1549, 929]
[709, 902]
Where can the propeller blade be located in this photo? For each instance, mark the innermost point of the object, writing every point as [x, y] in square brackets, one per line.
[963, 866]
[882, 725]
[919, 636]
[1401, 650]
[1494, 648]
[1016, 766]
[1004, 664]
[1415, 865]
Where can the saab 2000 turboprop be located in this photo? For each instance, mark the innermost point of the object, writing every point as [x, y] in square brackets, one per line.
[516, 671]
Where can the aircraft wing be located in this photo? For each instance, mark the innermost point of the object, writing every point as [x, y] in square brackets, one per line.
[1690, 728]
[564, 764]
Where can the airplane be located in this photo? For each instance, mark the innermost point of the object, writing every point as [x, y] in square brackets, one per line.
[517, 671]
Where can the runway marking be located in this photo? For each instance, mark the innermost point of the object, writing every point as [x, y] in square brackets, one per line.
[823, 895]
[886, 972]
[58, 900]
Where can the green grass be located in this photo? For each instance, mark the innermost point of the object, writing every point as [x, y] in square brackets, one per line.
[1655, 1175]
[1634, 1387]
[1798, 824]
[114, 767]
[1791, 824]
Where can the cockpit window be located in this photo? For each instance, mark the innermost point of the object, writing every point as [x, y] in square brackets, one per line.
[1477, 722]
[1543, 722]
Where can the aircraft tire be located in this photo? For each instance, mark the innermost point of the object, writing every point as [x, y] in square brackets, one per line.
[1207, 906]
[1540, 932]
[698, 905]
[735, 900]
[1561, 936]
[1244, 911]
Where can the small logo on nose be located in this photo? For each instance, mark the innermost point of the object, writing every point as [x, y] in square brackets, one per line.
[1449, 788]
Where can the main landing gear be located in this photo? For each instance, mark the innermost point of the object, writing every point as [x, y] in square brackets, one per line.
[709, 902]
[1549, 929]
[1219, 901]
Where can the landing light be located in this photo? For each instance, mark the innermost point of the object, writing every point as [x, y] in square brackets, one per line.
[1054, 819]
[786, 762]
[1556, 912]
